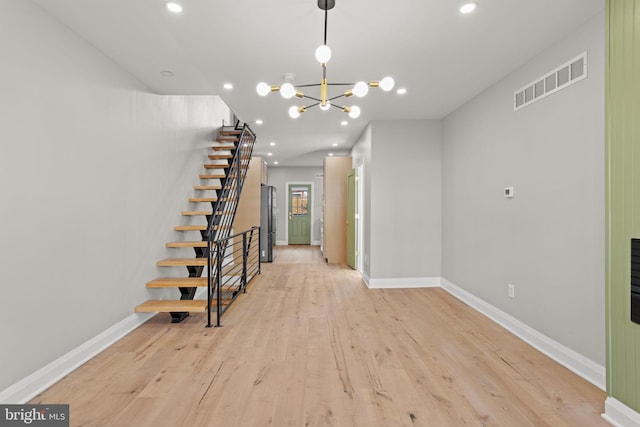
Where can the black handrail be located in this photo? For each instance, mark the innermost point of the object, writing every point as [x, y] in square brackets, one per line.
[221, 221]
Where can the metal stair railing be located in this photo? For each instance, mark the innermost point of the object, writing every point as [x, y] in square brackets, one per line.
[221, 221]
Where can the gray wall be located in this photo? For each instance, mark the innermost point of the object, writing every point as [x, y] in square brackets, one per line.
[278, 177]
[94, 172]
[549, 239]
[402, 218]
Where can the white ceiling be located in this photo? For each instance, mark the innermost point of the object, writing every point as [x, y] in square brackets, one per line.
[442, 58]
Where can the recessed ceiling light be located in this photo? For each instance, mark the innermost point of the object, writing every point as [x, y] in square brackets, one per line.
[401, 91]
[468, 7]
[275, 163]
[259, 122]
[344, 123]
[335, 144]
[272, 143]
[228, 86]
[166, 73]
[269, 154]
[331, 154]
[173, 7]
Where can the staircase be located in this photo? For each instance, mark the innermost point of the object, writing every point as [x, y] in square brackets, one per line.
[229, 164]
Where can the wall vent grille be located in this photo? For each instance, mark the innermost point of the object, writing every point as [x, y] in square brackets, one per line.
[562, 77]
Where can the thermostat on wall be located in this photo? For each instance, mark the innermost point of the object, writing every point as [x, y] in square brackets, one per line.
[508, 192]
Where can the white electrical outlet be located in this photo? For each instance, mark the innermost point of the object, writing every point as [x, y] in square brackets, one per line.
[511, 290]
[508, 192]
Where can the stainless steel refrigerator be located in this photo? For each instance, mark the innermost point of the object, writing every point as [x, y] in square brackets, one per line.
[267, 222]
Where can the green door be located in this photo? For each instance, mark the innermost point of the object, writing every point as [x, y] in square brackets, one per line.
[299, 215]
[351, 219]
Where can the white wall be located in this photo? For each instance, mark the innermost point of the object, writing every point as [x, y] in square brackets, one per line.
[279, 177]
[94, 172]
[549, 240]
[402, 218]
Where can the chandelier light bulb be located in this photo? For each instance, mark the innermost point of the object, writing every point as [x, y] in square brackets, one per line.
[355, 112]
[326, 106]
[263, 89]
[360, 89]
[287, 90]
[387, 84]
[323, 54]
[293, 112]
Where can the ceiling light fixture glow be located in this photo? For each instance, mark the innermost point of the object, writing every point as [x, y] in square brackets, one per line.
[173, 7]
[259, 122]
[228, 86]
[468, 7]
[401, 91]
[324, 101]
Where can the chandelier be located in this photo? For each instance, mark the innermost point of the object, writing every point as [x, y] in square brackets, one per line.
[324, 102]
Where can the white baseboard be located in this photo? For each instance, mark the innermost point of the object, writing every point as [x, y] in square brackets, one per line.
[619, 414]
[365, 278]
[29, 387]
[404, 282]
[316, 243]
[586, 368]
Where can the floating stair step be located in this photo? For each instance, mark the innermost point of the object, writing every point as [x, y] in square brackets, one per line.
[198, 227]
[223, 147]
[216, 166]
[196, 213]
[167, 306]
[190, 227]
[220, 156]
[207, 187]
[230, 132]
[212, 176]
[227, 139]
[198, 244]
[203, 199]
[177, 282]
[182, 262]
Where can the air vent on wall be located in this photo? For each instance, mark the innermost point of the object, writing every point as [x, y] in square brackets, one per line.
[564, 76]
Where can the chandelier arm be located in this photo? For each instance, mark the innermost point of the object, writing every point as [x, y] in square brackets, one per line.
[309, 85]
[336, 97]
[312, 98]
[340, 84]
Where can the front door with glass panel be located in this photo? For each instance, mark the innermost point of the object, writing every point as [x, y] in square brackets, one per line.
[299, 215]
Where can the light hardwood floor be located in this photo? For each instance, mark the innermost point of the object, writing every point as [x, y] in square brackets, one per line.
[310, 345]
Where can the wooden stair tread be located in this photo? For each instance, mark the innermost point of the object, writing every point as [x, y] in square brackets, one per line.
[193, 213]
[166, 306]
[212, 176]
[190, 228]
[184, 244]
[198, 227]
[177, 282]
[227, 139]
[207, 187]
[220, 156]
[223, 147]
[202, 199]
[230, 132]
[216, 166]
[186, 262]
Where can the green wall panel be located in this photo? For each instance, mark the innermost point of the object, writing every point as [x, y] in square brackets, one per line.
[623, 195]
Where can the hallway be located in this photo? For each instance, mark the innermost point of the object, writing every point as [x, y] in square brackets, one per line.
[310, 345]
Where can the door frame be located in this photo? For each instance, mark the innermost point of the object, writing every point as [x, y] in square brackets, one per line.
[310, 208]
[359, 217]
